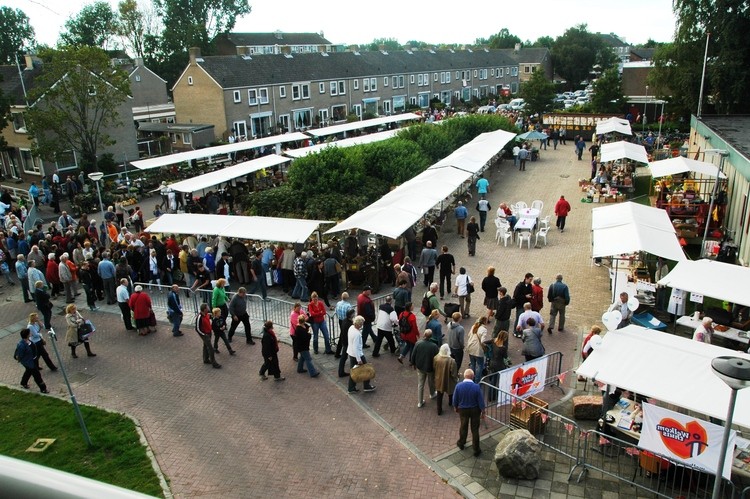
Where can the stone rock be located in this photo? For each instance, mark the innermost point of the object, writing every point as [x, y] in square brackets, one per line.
[519, 455]
[587, 407]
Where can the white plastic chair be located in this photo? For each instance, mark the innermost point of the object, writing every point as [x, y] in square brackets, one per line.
[543, 234]
[524, 236]
[537, 205]
[521, 205]
[544, 222]
[505, 235]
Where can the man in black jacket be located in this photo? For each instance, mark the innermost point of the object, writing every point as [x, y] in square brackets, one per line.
[422, 357]
[522, 294]
[502, 312]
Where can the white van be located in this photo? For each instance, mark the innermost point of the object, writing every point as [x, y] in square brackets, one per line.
[517, 104]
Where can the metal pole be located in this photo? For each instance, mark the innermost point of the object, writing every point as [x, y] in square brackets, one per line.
[703, 76]
[660, 120]
[724, 444]
[76, 409]
[724, 154]
[99, 193]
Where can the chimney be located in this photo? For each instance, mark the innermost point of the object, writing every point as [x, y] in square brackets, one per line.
[517, 47]
[29, 60]
[195, 54]
[279, 35]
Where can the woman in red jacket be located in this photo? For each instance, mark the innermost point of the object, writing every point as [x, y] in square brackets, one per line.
[409, 331]
[140, 304]
[562, 208]
[317, 311]
[53, 275]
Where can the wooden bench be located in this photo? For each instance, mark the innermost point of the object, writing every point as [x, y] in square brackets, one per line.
[587, 407]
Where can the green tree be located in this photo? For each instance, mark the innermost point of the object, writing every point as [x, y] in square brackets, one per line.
[678, 67]
[577, 51]
[74, 102]
[17, 34]
[608, 96]
[500, 40]
[389, 44]
[135, 24]
[538, 92]
[95, 25]
[544, 41]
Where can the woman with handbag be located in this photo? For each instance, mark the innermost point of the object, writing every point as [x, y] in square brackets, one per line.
[464, 287]
[77, 332]
[35, 326]
[532, 340]
[477, 345]
[499, 359]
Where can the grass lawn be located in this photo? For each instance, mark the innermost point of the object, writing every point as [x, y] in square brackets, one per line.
[116, 456]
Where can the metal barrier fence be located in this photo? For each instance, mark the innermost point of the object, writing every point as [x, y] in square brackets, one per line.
[602, 455]
[271, 309]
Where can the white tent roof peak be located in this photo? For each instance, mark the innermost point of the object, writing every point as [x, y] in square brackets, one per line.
[720, 280]
[679, 164]
[621, 150]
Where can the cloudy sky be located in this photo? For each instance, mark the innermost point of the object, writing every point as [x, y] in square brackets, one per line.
[434, 21]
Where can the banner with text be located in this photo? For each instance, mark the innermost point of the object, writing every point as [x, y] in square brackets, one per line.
[684, 438]
[524, 380]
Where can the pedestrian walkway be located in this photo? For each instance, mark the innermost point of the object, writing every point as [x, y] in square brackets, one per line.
[226, 433]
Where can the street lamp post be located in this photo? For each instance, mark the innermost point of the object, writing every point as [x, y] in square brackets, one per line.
[735, 372]
[96, 177]
[645, 105]
[723, 154]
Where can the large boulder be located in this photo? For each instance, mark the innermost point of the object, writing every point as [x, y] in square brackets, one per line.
[519, 455]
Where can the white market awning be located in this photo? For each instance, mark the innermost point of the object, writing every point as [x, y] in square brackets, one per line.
[352, 141]
[358, 125]
[208, 152]
[719, 280]
[631, 227]
[666, 367]
[621, 150]
[217, 177]
[679, 164]
[613, 124]
[474, 156]
[286, 230]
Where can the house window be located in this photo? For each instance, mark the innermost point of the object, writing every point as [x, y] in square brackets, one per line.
[373, 84]
[365, 84]
[500, 73]
[334, 88]
[338, 112]
[492, 72]
[263, 95]
[420, 80]
[138, 78]
[412, 101]
[385, 81]
[342, 87]
[394, 81]
[458, 75]
[514, 71]
[426, 78]
[526, 69]
[29, 163]
[411, 79]
[322, 88]
[357, 109]
[19, 123]
[399, 104]
[174, 137]
[92, 90]
[302, 118]
[252, 97]
[190, 80]
[401, 81]
[282, 92]
[475, 73]
[240, 129]
[323, 113]
[300, 91]
[434, 76]
[387, 107]
[442, 77]
[356, 84]
[237, 95]
[186, 138]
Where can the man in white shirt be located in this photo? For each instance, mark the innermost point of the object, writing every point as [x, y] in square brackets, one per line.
[622, 307]
[525, 316]
[123, 297]
[354, 350]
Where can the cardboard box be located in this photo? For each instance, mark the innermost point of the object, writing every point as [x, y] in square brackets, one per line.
[530, 417]
[609, 199]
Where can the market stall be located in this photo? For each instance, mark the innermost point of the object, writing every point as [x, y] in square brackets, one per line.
[683, 189]
[614, 180]
[352, 141]
[613, 125]
[226, 175]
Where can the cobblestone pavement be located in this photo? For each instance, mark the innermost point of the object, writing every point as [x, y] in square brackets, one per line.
[225, 433]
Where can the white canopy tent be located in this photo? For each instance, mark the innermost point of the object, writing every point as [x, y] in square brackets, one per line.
[679, 164]
[630, 227]
[668, 368]
[621, 150]
[226, 174]
[352, 141]
[358, 125]
[401, 208]
[613, 124]
[720, 280]
[287, 230]
[208, 152]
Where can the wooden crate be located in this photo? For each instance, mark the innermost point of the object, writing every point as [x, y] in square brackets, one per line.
[529, 418]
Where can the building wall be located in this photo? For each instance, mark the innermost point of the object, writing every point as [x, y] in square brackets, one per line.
[737, 170]
[200, 102]
[147, 89]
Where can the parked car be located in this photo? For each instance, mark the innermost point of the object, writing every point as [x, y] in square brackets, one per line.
[517, 104]
[569, 103]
